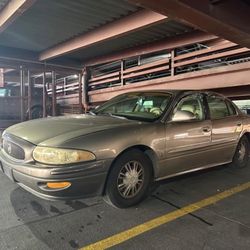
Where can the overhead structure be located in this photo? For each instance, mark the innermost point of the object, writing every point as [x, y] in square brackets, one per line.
[84, 52]
[136, 21]
[74, 32]
[164, 44]
[12, 10]
[229, 19]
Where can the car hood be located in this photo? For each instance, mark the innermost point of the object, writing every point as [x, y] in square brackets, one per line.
[56, 130]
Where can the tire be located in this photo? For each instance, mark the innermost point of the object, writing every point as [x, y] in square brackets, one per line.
[129, 180]
[241, 156]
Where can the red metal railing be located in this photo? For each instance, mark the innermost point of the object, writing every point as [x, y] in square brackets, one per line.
[209, 54]
[162, 66]
[177, 63]
[68, 95]
[123, 76]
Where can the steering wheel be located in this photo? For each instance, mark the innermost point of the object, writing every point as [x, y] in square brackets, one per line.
[156, 111]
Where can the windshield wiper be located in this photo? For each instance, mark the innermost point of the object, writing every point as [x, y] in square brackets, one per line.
[115, 116]
[92, 113]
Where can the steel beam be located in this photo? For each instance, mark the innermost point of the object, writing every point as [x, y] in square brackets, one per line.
[29, 94]
[12, 10]
[229, 19]
[240, 92]
[22, 93]
[85, 96]
[44, 95]
[121, 27]
[13, 58]
[80, 93]
[14, 63]
[53, 83]
[165, 44]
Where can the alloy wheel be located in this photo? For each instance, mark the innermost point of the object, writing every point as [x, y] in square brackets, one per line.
[130, 179]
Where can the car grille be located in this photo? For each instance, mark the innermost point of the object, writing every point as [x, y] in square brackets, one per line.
[13, 150]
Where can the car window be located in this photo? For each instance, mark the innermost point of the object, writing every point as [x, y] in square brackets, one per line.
[192, 104]
[243, 105]
[231, 108]
[139, 106]
[217, 107]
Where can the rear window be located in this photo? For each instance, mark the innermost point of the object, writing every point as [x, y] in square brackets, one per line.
[217, 107]
[231, 108]
[243, 105]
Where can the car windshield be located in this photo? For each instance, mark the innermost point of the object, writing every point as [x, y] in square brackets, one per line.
[136, 106]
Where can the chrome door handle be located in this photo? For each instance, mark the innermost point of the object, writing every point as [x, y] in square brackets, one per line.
[206, 129]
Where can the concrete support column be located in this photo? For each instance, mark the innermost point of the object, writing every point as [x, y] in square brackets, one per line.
[1, 78]
[85, 97]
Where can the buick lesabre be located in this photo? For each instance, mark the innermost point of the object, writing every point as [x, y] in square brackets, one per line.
[119, 149]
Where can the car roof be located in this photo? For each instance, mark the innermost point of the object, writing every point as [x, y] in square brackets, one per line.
[176, 92]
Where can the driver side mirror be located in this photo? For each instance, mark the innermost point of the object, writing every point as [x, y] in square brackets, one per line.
[183, 116]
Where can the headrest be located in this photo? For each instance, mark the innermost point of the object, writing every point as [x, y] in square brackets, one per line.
[188, 107]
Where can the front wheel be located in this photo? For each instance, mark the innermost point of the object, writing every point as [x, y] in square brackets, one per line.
[241, 156]
[129, 180]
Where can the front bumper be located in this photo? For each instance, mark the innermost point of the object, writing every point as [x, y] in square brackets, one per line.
[87, 179]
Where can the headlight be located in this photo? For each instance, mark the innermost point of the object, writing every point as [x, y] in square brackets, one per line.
[57, 156]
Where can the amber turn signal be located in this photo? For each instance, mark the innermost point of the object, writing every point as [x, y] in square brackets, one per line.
[58, 185]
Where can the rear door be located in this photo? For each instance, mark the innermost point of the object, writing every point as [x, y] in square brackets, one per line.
[188, 142]
[226, 128]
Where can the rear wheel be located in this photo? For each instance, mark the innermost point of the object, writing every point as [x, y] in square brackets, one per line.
[241, 156]
[129, 180]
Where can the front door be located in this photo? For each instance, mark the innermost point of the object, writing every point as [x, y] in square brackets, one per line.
[188, 138]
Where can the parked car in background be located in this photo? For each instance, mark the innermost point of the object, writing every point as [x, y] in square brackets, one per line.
[10, 104]
[126, 144]
[243, 105]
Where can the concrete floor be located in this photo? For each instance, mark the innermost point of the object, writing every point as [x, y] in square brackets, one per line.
[27, 222]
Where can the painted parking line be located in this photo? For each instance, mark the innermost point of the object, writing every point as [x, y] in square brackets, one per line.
[154, 223]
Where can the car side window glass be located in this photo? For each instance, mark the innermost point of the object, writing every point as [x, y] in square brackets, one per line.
[217, 107]
[192, 104]
[231, 108]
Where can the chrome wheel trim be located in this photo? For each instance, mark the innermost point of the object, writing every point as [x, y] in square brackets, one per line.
[130, 179]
